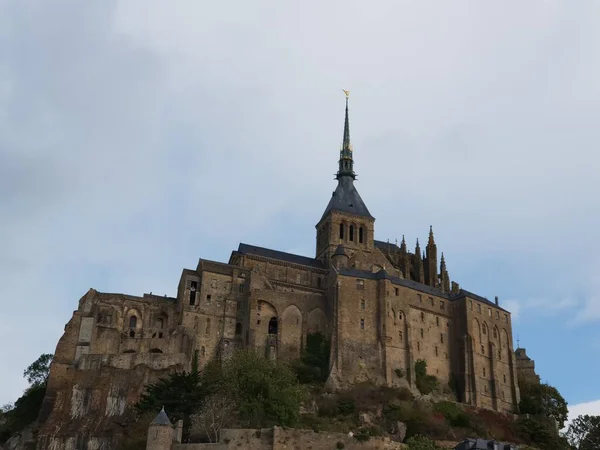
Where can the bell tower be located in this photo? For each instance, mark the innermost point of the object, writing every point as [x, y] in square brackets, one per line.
[346, 220]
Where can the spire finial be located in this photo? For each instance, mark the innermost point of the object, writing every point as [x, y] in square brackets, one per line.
[346, 163]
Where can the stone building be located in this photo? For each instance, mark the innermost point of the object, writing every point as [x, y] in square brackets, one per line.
[382, 306]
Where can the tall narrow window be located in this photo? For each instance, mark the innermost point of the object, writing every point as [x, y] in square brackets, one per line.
[241, 288]
[422, 317]
[351, 232]
[341, 231]
[418, 346]
[437, 321]
[360, 285]
[132, 322]
[202, 351]
[442, 338]
[362, 324]
[160, 323]
[362, 304]
[361, 235]
[193, 287]
[436, 351]
[422, 333]
[400, 334]
[319, 282]
[207, 329]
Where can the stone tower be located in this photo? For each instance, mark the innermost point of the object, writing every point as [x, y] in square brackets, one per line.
[160, 433]
[346, 219]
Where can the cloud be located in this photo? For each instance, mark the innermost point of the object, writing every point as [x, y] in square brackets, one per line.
[136, 137]
[591, 408]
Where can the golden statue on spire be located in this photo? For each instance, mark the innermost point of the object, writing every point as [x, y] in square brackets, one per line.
[346, 92]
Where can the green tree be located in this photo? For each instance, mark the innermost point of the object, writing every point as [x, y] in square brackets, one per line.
[266, 392]
[584, 433]
[425, 383]
[38, 371]
[24, 412]
[313, 367]
[543, 400]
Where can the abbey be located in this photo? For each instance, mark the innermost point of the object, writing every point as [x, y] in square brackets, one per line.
[381, 306]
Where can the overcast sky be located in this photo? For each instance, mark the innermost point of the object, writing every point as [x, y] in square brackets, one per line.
[139, 136]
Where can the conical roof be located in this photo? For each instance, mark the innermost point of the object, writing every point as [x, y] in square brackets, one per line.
[162, 418]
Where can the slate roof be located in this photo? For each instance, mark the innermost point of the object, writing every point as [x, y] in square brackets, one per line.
[483, 444]
[282, 256]
[387, 246]
[162, 419]
[347, 199]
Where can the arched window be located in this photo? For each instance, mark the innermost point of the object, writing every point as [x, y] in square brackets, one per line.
[273, 325]
[160, 323]
[133, 322]
[238, 329]
[360, 235]
[341, 231]
[351, 232]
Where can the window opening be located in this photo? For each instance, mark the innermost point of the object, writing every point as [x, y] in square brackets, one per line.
[273, 325]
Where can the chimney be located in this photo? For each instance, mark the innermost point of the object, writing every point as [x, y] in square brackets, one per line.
[496, 299]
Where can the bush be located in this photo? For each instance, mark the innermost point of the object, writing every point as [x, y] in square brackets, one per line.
[426, 384]
[421, 443]
[453, 413]
[399, 373]
[313, 367]
[363, 434]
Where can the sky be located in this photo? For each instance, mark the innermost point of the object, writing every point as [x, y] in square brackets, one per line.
[138, 136]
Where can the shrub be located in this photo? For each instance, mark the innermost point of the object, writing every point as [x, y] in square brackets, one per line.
[453, 413]
[363, 434]
[399, 373]
[425, 383]
[421, 443]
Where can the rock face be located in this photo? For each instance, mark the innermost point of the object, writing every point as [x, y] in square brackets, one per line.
[399, 432]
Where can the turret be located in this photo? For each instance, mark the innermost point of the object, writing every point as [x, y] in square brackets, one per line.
[339, 258]
[160, 433]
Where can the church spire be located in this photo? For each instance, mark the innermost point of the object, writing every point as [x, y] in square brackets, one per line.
[346, 163]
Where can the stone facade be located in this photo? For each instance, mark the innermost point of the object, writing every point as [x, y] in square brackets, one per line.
[526, 367]
[163, 436]
[382, 307]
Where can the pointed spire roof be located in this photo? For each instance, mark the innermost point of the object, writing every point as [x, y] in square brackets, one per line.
[345, 197]
[346, 162]
[431, 240]
[339, 251]
[443, 263]
[403, 245]
[162, 418]
[346, 142]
